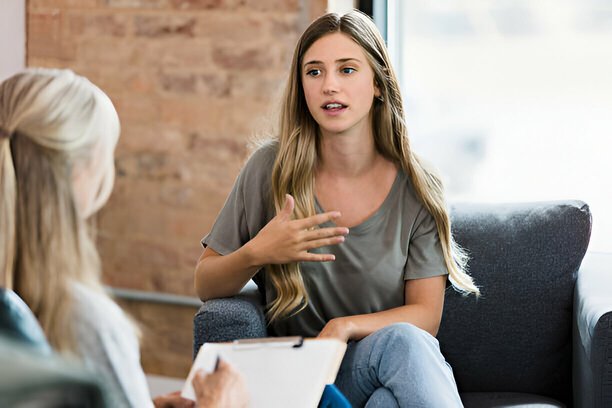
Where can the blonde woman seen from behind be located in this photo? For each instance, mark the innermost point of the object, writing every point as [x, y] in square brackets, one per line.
[57, 137]
[345, 224]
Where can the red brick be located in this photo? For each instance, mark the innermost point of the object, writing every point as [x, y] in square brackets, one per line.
[138, 4]
[137, 109]
[252, 58]
[140, 81]
[243, 27]
[109, 51]
[44, 33]
[145, 255]
[149, 165]
[34, 4]
[97, 25]
[164, 26]
[268, 5]
[285, 25]
[196, 4]
[116, 83]
[214, 85]
[138, 137]
[206, 114]
[178, 82]
[268, 87]
[176, 52]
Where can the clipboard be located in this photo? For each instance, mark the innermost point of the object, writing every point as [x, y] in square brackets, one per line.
[278, 372]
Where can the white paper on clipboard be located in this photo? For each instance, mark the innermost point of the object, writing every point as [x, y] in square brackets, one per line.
[276, 373]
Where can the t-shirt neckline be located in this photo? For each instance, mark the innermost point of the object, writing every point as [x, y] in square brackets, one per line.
[372, 219]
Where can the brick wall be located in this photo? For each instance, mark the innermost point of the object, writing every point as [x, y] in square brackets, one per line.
[191, 80]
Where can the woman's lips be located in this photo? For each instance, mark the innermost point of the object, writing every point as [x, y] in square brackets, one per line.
[334, 108]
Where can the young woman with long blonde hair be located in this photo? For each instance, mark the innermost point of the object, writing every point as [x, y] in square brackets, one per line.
[58, 133]
[345, 225]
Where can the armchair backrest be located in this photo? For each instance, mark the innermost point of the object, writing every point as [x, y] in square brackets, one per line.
[517, 336]
[18, 323]
[32, 374]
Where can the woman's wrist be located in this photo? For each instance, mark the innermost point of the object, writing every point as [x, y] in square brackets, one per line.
[251, 257]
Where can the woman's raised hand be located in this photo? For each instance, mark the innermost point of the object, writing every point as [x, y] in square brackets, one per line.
[284, 240]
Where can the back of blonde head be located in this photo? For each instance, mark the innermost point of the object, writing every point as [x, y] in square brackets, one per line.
[51, 121]
[293, 171]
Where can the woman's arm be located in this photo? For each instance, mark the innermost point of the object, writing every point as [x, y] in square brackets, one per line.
[281, 241]
[423, 308]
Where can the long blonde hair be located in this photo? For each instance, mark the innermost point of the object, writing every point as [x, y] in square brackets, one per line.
[51, 120]
[298, 143]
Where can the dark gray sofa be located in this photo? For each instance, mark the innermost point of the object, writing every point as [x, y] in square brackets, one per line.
[541, 333]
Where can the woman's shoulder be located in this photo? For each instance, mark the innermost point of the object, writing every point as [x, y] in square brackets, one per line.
[411, 204]
[95, 312]
[257, 171]
[107, 344]
[408, 192]
[263, 154]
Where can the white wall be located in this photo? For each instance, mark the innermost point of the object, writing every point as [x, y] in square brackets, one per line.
[12, 37]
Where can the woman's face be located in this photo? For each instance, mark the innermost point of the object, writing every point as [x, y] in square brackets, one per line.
[338, 84]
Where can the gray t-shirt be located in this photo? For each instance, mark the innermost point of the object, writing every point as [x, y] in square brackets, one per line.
[398, 242]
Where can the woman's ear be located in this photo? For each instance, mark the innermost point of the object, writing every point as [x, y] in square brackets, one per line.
[377, 93]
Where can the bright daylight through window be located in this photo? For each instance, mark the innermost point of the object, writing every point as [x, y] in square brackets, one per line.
[511, 99]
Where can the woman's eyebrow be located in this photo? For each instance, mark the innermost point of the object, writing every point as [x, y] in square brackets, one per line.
[338, 61]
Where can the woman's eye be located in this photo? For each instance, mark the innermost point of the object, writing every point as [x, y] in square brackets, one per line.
[348, 70]
[314, 72]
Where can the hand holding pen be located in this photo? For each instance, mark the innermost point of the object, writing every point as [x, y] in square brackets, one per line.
[224, 387]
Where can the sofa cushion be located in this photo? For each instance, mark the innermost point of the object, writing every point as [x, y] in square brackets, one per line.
[517, 336]
[507, 400]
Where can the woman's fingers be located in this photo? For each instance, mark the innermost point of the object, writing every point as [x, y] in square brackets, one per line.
[308, 257]
[287, 209]
[318, 243]
[320, 233]
[317, 219]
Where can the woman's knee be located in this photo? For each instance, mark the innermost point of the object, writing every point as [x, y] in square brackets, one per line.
[407, 337]
[382, 398]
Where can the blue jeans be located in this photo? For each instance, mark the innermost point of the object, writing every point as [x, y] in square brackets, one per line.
[397, 366]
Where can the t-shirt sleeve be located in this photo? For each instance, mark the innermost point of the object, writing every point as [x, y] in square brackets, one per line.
[425, 256]
[230, 231]
[247, 209]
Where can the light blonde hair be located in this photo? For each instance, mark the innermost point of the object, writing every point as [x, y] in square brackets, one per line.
[53, 121]
[298, 144]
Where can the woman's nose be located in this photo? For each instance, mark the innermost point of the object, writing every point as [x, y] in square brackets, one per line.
[331, 84]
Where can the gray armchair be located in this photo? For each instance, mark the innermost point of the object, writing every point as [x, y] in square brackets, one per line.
[31, 375]
[540, 334]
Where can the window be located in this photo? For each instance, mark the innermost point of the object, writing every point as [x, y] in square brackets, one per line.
[511, 99]
[12, 37]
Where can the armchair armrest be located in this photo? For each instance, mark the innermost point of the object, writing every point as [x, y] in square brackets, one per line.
[592, 349]
[227, 319]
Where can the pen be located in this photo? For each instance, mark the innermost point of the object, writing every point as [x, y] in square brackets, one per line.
[217, 363]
